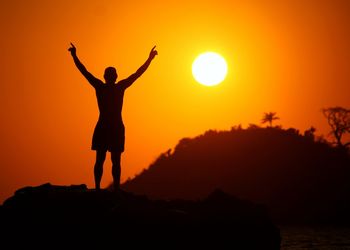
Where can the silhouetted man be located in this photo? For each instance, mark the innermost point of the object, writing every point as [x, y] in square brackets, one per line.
[109, 134]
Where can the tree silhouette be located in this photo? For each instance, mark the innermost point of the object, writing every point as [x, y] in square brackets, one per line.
[269, 117]
[339, 120]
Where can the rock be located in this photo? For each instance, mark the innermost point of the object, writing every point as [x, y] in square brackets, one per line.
[51, 216]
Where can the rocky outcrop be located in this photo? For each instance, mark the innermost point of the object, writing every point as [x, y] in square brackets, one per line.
[74, 216]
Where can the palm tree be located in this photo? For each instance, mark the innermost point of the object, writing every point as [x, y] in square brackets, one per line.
[269, 117]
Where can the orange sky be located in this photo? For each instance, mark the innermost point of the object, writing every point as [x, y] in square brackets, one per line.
[291, 57]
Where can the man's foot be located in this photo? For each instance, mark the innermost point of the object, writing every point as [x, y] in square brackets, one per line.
[116, 190]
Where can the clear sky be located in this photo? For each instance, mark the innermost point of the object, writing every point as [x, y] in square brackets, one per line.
[290, 57]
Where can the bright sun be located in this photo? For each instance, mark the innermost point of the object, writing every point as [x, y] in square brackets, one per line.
[209, 68]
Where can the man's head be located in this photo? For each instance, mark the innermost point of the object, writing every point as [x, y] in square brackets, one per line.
[110, 75]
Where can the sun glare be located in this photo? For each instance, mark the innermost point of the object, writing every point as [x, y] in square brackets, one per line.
[209, 69]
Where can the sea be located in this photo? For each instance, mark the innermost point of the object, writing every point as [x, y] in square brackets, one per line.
[315, 237]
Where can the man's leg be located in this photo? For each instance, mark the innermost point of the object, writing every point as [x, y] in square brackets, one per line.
[98, 169]
[116, 156]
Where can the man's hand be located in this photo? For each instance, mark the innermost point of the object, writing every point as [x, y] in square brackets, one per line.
[152, 54]
[72, 49]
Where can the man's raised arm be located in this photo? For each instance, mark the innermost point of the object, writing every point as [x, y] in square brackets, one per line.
[131, 79]
[91, 79]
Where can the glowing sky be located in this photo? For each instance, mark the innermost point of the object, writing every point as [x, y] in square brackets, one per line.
[290, 57]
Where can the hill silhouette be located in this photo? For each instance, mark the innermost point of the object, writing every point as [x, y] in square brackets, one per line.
[299, 179]
[74, 217]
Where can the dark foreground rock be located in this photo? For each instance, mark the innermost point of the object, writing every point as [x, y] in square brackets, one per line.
[70, 217]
